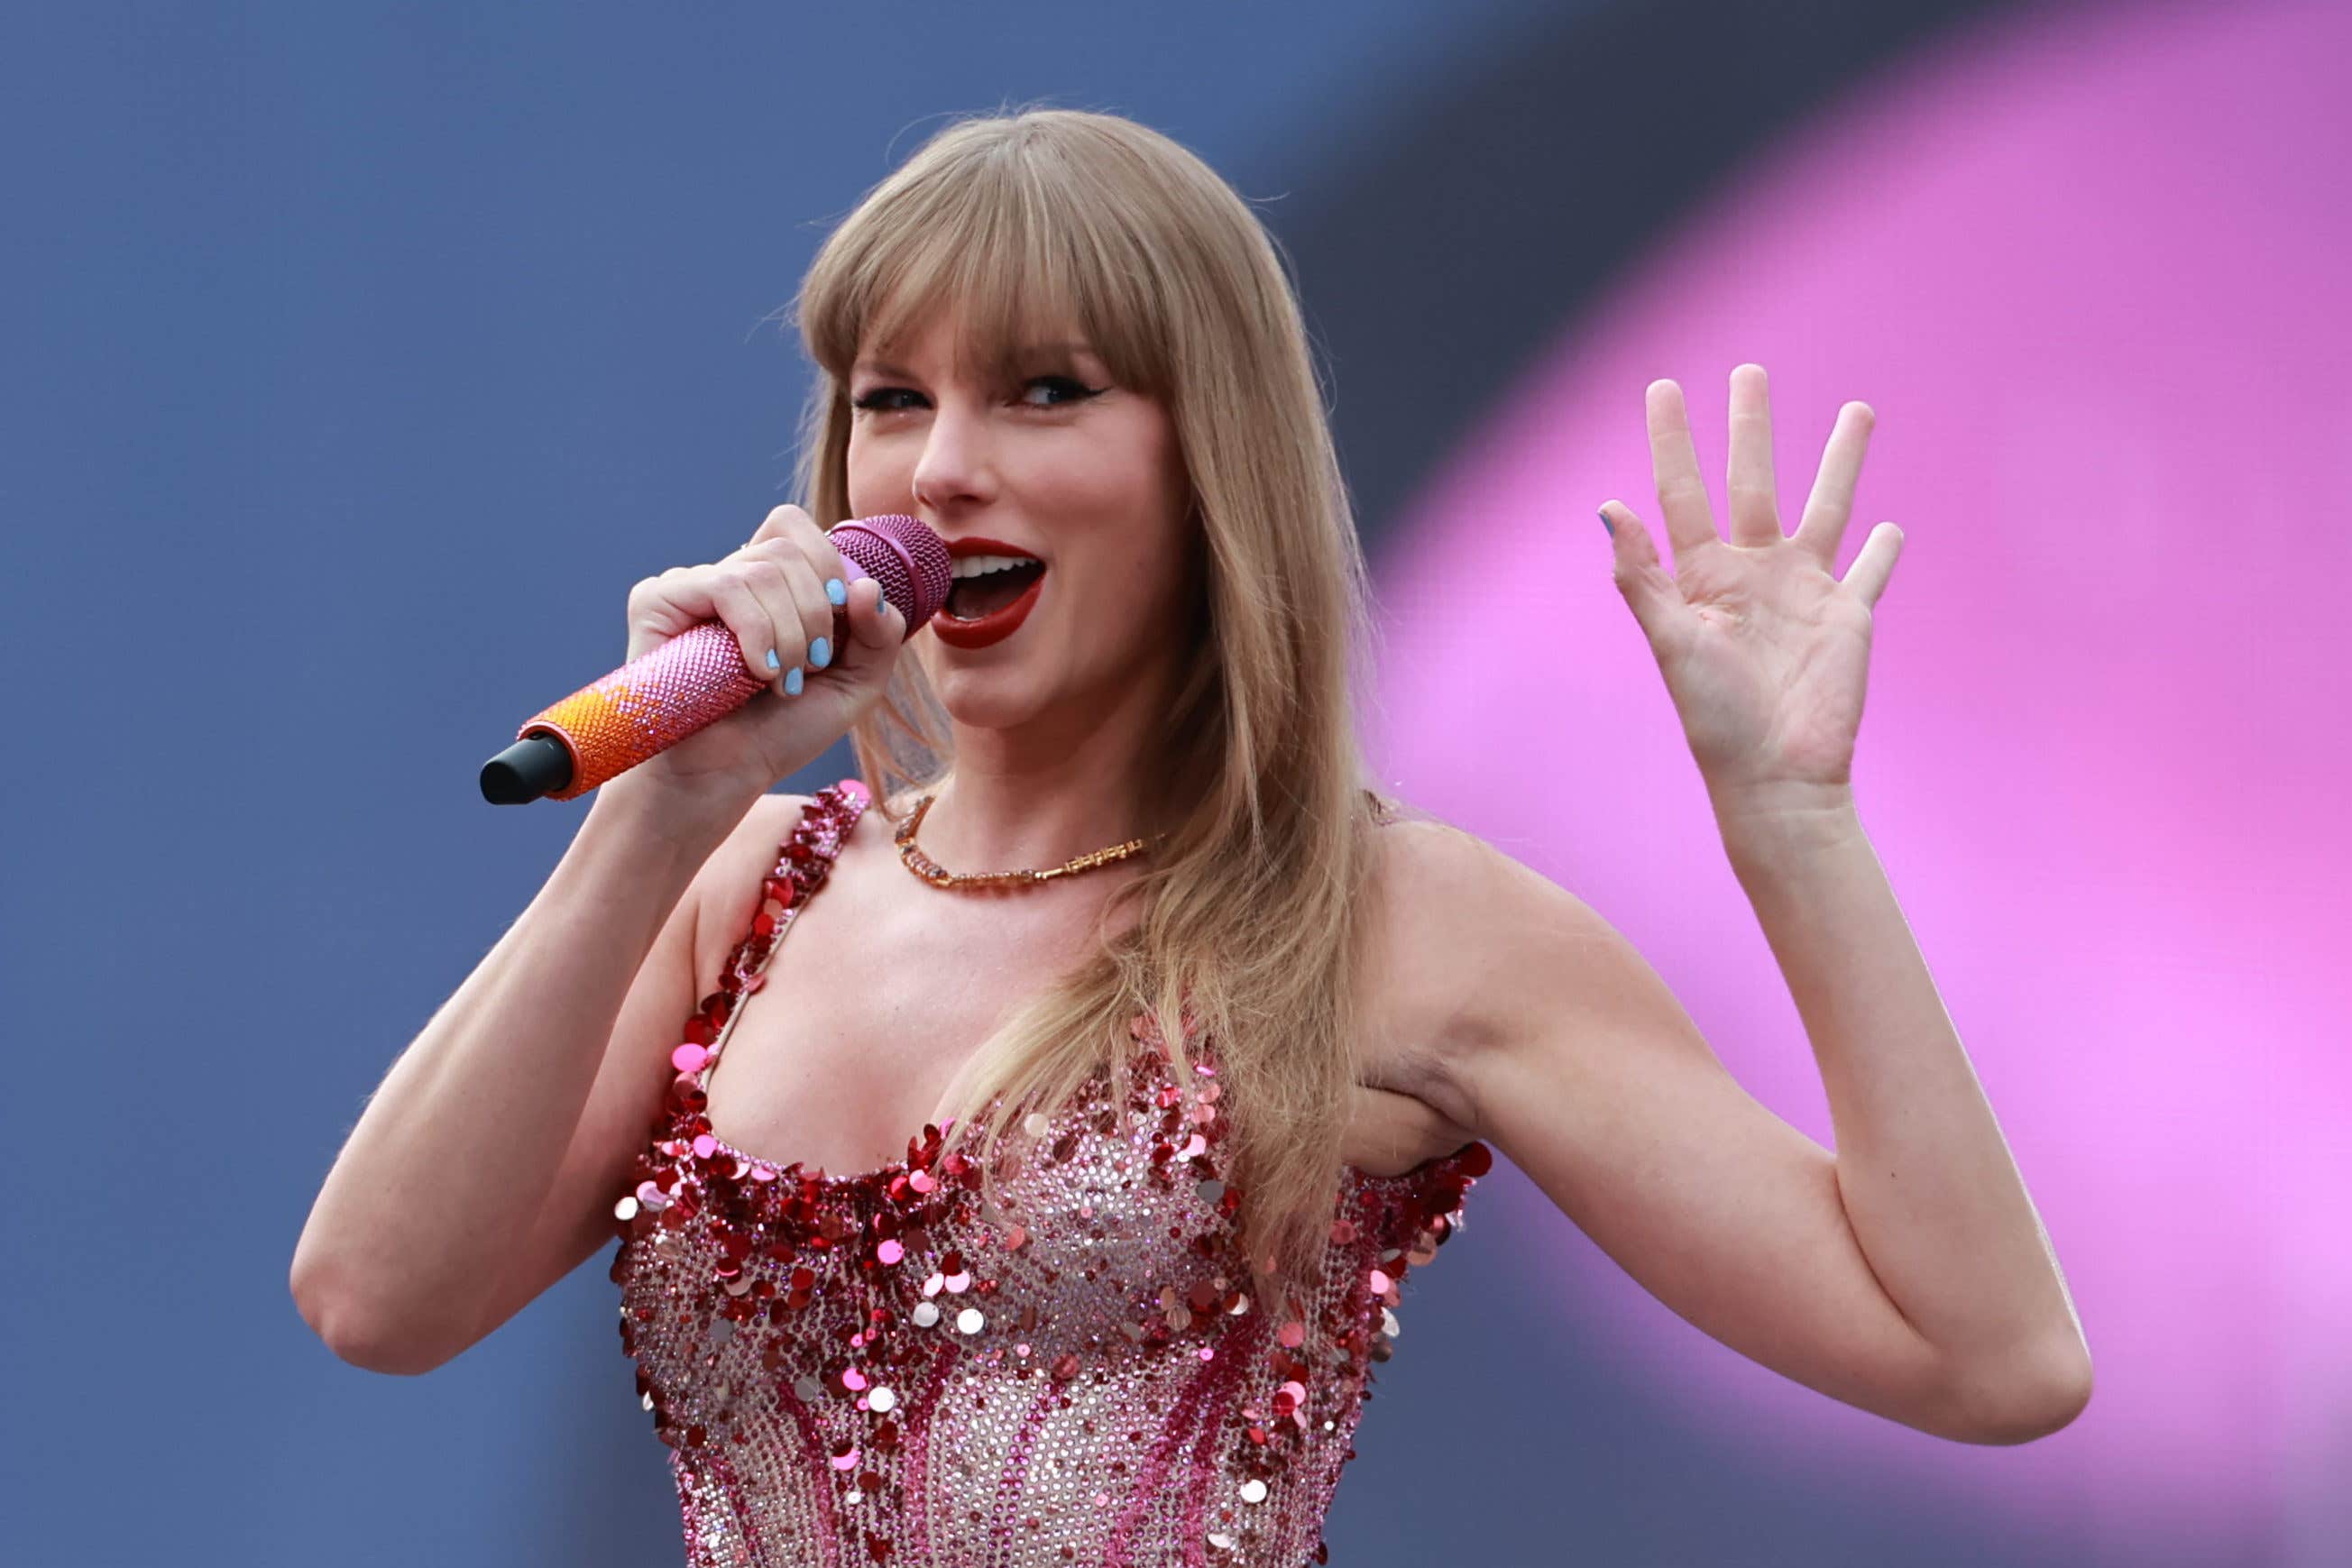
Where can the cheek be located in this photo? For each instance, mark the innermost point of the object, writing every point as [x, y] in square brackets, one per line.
[1125, 469]
[875, 485]
[1136, 597]
[881, 463]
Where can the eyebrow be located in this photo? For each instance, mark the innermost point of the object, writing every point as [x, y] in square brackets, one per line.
[1026, 352]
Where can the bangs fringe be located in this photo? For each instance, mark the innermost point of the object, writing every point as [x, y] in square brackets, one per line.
[1016, 245]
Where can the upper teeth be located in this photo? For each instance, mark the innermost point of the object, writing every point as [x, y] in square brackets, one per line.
[974, 565]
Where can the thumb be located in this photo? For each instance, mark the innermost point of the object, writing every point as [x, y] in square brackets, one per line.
[1639, 576]
[877, 629]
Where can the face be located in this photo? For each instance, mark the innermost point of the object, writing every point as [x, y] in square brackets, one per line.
[1060, 463]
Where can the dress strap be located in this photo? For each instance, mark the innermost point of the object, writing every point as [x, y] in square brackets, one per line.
[801, 862]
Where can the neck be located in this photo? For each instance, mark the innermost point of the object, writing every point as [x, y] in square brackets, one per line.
[1059, 781]
[982, 820]
[1043, 793]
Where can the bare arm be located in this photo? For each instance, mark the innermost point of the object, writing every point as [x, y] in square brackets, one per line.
[1569, 1054]
[443, 1182]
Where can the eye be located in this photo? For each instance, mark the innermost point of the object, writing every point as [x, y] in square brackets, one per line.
[1080, 390]
[880, 399]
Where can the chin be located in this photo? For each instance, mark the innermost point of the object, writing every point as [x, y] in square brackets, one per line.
[980, 691]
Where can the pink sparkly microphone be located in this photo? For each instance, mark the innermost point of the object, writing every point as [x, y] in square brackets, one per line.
[697, 677]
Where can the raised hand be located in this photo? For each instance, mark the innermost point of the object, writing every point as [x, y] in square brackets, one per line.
[1764, 649]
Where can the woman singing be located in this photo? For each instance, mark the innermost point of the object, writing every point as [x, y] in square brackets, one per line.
[1160, 1044]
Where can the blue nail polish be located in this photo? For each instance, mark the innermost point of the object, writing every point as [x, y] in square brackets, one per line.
[792, 682]
[774, 662]
[820, 653]
[1607, 524]
[835, 591]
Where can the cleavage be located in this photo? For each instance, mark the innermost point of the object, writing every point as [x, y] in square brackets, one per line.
[831, 1064]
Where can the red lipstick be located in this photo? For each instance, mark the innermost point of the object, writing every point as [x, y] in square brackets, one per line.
[991, 628]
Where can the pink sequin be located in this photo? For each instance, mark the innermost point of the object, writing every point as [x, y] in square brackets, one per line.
[1088, 1378]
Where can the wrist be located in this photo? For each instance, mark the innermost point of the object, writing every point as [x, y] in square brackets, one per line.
[692, 825]
[1774, 819]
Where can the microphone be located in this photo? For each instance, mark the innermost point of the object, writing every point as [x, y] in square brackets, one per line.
[660, 697]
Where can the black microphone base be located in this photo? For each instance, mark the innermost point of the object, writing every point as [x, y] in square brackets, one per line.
[534, 766]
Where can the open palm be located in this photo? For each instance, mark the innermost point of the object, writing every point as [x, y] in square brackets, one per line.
[1764, 649]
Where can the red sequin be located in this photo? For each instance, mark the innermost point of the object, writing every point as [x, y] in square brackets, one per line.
[1023, 1358]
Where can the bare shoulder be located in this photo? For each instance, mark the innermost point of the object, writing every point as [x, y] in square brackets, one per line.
[764, 828]
[1449, 898]
[1469, 940]
[730, 879]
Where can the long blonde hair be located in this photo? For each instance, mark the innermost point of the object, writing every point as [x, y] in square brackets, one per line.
[1250, 917]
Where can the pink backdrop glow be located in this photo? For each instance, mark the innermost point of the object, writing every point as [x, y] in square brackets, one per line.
[2088, 271]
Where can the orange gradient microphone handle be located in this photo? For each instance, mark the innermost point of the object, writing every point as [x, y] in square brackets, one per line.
[649, 704]
[697, 677]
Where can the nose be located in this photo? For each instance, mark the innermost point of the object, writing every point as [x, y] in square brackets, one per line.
[956, 468]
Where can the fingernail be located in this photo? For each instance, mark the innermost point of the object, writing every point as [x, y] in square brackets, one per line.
[820, 653]
[792, 682]
[774, 662]
[1607, 524]
[835, 591]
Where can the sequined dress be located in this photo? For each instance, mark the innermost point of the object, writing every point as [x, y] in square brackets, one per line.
[864, 1369]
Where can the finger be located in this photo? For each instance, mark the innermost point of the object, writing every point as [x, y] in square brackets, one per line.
[810, 605]
[873, 619]
[652, 620]
[795, 527]
[1674, 462]
[1828, 508]
[764, 576]
[793, 595]
[1875, 563]
[758, 629]
[792, 524]
[1754, 511]
[822, 553]
[1641, 577]
[779, 523]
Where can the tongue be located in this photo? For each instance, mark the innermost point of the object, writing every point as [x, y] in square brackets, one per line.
[971, 598]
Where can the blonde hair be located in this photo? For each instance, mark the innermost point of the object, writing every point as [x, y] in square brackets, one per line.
[1250, 914]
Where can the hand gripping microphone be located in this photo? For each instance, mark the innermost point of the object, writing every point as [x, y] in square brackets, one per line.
[660, 697]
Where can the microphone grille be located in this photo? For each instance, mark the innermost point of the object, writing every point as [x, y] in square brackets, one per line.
[902, 554]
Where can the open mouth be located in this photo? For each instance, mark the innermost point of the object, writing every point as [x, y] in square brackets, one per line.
[978, 598]
[986, 607]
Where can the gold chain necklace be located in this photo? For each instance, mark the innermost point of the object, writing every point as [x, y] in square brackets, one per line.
[930, 871]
